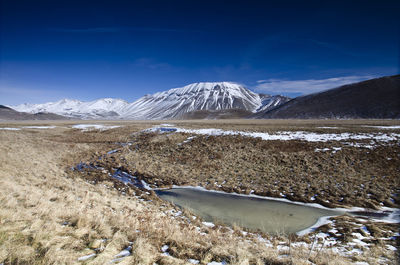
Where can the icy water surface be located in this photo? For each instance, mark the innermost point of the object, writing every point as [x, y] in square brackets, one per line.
[269, 216]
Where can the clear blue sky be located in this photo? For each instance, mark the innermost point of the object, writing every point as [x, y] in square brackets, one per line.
[124, 49]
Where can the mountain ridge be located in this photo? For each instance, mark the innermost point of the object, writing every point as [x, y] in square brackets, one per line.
[8, 114]
[169, 104]
[375, 98]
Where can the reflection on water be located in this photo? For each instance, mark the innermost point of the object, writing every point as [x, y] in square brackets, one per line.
[269, 216]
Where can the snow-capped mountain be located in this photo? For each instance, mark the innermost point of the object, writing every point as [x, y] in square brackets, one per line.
[98, 109]
[174, 103]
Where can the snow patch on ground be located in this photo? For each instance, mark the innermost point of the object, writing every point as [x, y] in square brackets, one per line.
[87, 257]
[188, 140]
[112, 151]
[320, 222]
[358, 240]
[393, 127]
[88, 127]
[286, 135]
[145, 185]
[392, 248]
[39, 127]
[28, 127]
[360, 145]
[333, 149]
[164, 248]
[217, 263]
[123, 254]
[208, 224]
[392, 218]
[167, 125]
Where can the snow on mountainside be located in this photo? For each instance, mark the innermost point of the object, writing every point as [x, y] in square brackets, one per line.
[269, 102]
[97, 109]
[174, 103]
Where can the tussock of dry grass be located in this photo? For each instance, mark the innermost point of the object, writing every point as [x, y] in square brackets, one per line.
[49, 217]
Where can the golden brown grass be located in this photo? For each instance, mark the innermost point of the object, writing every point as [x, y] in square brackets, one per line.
[49, 217]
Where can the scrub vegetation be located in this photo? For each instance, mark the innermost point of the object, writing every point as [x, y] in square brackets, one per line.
[352, 176]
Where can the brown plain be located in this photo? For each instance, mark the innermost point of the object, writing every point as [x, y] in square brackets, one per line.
[50, 214]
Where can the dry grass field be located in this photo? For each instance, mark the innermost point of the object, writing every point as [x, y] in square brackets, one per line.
[351, 177]
[51, 214]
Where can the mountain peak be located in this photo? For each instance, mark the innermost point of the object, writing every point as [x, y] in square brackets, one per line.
[67, 100]
[173, 103]
[213, 85]
[206, 86]
[213, 96]
[111, 100]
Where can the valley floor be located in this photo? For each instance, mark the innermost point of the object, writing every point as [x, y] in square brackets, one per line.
[51, 214]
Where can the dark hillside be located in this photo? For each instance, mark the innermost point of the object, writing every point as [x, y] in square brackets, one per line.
[372, 99]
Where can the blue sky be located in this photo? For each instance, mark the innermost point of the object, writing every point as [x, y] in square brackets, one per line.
[86, 50]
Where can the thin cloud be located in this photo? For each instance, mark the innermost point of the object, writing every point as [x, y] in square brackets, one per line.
[308, 86]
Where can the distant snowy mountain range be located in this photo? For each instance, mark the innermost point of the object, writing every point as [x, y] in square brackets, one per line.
[171, 104]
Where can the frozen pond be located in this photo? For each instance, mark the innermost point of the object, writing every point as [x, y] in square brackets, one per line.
[270, 216]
